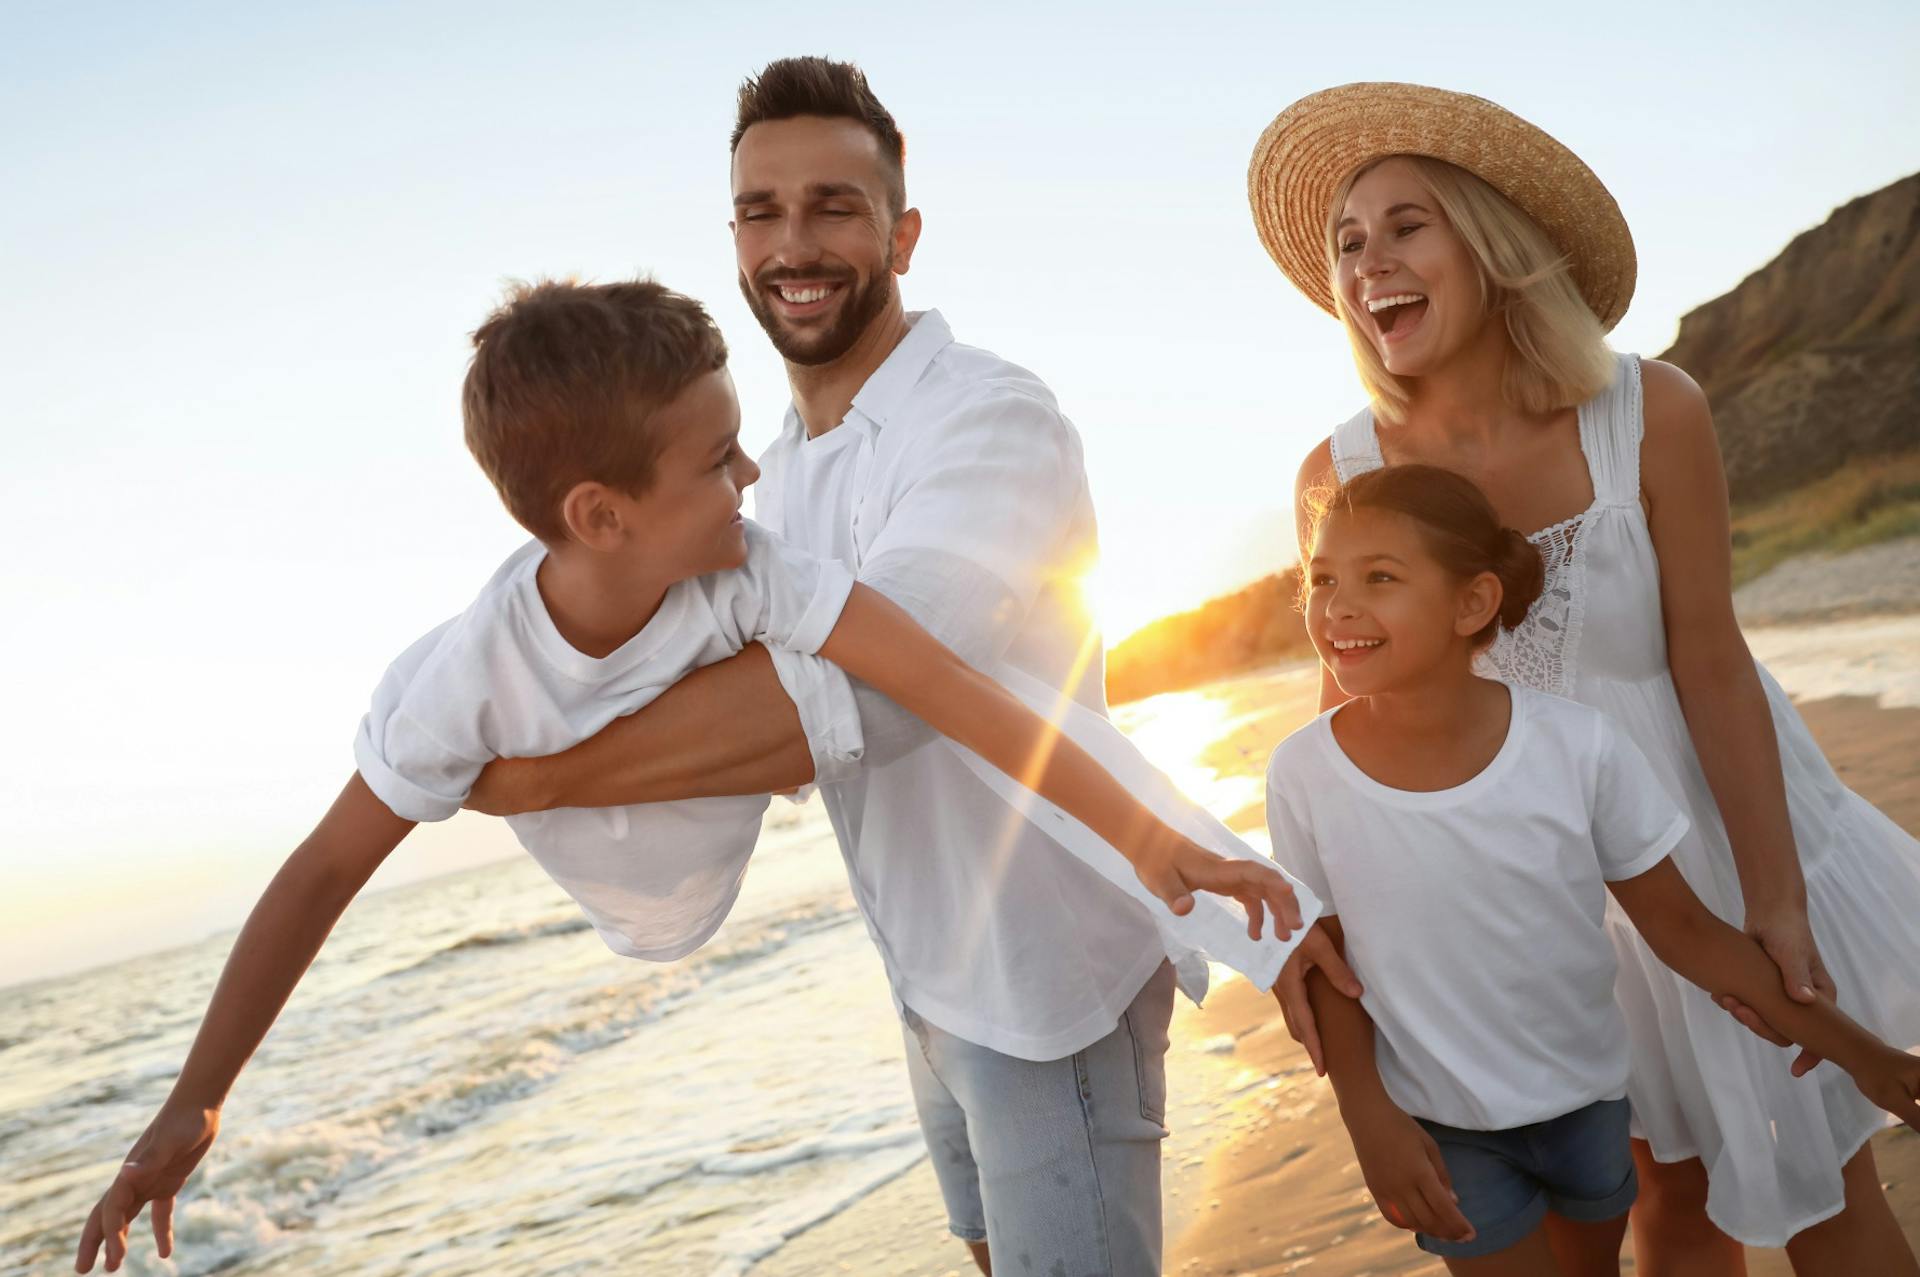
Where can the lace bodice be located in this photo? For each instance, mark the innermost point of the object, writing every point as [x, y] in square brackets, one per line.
[1545, 650]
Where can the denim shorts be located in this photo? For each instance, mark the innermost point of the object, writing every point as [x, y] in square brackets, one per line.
[1578, 1165]
[1054, 1163]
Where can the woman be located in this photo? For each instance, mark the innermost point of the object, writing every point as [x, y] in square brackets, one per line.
[1477, 264]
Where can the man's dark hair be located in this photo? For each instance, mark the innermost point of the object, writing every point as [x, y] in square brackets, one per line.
[793, 87]
[565, 381]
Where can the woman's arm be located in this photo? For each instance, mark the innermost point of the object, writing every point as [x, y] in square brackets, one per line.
[1713, 672]
[1685, 934]
[879, 643]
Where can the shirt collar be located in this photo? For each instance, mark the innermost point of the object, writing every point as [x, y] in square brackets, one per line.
[893, 381]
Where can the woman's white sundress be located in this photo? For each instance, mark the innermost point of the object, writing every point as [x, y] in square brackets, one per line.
[1702, 1086]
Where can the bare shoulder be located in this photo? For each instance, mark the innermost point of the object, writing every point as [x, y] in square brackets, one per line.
[1680, 439]
[1672, 402]
[1317, 470]
[1316, 473]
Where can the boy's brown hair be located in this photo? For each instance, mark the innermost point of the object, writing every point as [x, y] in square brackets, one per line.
[794, 87]
[564, 381]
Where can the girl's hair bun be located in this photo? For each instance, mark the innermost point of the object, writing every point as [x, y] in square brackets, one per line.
[1522, 574]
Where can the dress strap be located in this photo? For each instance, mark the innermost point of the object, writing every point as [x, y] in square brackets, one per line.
[1611, 425]
[1355, 446]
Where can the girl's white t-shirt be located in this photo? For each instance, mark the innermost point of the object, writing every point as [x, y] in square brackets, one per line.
[1474, 915]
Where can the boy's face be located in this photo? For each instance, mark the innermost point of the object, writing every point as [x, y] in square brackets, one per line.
[688, 519]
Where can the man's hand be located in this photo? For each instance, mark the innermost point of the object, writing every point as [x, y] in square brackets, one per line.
[1174, 867]
[1406, 1174]
[154, 1171]
[506, 787]
[1788, 940]
[1290, 990]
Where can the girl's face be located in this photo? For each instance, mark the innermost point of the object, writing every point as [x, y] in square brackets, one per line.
[1383, 613]
[1404, 273]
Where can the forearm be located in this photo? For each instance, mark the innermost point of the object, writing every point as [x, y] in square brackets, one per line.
[1731, 726]
[726, 728]
[1346, 1038]
[963, 606]
[1705, 951]
[283, 933]
[975, 711]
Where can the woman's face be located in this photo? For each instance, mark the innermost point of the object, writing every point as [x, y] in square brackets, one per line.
[1405, 274]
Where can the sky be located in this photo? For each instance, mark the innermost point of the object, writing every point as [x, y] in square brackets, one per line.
[244, 245]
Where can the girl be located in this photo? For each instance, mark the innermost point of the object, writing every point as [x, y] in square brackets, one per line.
[1461, 831]
[1477, 264]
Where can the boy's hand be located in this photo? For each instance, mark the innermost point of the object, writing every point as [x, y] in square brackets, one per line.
[1892, 1081]
[1174, 867]
[154, 1171]
[1406, 1174]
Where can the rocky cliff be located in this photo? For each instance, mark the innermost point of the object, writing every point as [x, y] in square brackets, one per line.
[1815, 358]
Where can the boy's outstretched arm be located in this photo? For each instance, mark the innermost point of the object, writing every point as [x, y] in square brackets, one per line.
[281, 937]
[1398, 1159]
[878, 643]
[1685, 934]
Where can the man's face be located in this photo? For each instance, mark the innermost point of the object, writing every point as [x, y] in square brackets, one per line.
[813, 233]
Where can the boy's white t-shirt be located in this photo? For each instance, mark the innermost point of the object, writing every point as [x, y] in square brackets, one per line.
[499, 681]
[1474, 915]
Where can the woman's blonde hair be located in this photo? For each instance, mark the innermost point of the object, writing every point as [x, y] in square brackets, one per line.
[1563, 358]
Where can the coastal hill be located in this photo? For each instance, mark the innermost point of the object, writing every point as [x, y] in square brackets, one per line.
[1812, 365]
[1815, 358]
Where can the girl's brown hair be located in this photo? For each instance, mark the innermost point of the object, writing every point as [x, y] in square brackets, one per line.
[1459, 527]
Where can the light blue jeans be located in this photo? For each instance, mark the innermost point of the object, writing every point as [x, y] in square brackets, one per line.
[1055, 1164]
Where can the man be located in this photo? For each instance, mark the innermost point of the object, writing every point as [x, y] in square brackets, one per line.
[1036, 998]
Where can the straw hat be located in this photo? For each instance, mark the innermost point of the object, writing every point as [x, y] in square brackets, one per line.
[1312, 146]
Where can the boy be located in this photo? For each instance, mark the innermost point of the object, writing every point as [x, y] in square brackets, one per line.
[605, 417]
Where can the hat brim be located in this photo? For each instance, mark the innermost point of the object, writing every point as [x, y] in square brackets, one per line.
[1313, 145]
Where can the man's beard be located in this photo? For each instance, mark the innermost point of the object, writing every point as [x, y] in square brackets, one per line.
[820, 346]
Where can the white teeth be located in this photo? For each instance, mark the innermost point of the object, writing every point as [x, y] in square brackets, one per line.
[1377, 304]
[800, 296]
[1347, 645]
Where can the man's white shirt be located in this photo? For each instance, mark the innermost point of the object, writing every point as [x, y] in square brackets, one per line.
[957, 488]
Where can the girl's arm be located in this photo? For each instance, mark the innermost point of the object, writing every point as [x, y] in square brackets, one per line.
[1685, 934]
[1401, 1163]
[877, 642]
[1713, 672]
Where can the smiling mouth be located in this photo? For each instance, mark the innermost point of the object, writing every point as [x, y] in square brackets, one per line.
[1345, 650]
[800, 298]
[1399, 312]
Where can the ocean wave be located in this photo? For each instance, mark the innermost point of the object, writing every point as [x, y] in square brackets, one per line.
[568, 925]
[743, 1247]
